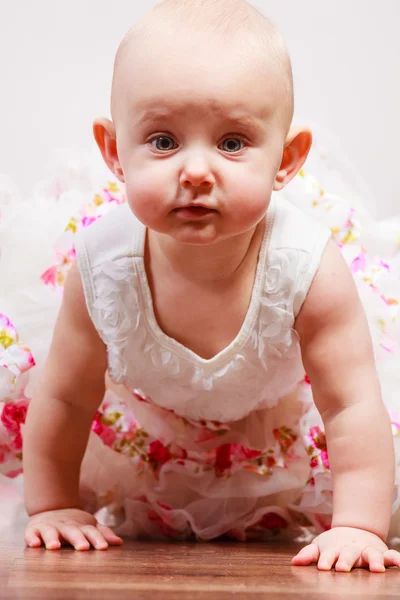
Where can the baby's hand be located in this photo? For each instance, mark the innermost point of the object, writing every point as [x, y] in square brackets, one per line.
[74, 526]
[348, 547]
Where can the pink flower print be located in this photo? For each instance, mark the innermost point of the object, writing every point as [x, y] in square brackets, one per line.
[384, 265]
[49, 277]
[273, 521]
[359, 263]
[165, 528]
[4, 453]
[223, 458]
[205, 435]
[13, 415]
[158, 453]
[139, 395]
[16, 444]
[307, 379]
[55, 275]
[106, 434]
[12, 474]
[395, 420]
[86, 221]
[8, 333]
[227, 454]
[110, 198]
[317, 440]
[164, 506]
[324, 458]
[285, 437]
[317, 437]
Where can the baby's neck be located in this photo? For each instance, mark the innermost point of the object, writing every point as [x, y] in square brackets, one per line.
[209, 263]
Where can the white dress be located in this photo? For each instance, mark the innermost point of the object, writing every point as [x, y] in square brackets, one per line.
[187, 447]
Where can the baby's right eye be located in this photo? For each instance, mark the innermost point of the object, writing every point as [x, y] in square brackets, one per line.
[163, 143]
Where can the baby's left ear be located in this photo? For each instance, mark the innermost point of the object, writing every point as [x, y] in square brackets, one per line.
[297, 147]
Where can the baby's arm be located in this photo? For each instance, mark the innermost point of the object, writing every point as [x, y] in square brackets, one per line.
[60, 416]
[338, 357]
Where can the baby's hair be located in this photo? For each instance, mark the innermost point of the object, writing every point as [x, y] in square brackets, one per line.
[221, 18]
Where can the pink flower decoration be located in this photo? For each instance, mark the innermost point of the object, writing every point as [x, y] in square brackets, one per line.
[359, 263]
[13, 415]
[273, 521]
[317, 438]
[86, 221]
[49, 277]
[324, 458]
[16, 444]
[15, 473]
[158, 453]
[106, 434]
[4, 453]
[229, 453]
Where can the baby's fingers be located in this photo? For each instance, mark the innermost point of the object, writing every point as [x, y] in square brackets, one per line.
[47, 533]
[74, 536]
[110, 537]
[391, 558]
[32, 537]
[306, 556]
[374, 559]
[349, 557]
[94, 536]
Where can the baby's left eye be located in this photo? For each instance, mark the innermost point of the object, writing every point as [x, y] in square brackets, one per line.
[232, 145]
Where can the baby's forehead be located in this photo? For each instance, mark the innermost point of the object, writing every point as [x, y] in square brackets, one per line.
[200, 88]
[157, 56]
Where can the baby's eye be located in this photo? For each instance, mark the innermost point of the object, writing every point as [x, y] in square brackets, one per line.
[232, 145]
[164, 143]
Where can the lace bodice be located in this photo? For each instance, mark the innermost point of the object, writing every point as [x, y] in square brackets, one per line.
[259, 366]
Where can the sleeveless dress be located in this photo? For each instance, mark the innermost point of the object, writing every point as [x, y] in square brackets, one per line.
[190, 448]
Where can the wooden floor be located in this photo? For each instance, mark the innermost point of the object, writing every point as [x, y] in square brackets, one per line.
[177, 571]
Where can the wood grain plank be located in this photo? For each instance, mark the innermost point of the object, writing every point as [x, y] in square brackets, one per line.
[178, 571]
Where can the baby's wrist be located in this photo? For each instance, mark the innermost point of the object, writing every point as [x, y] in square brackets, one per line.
[373, 529]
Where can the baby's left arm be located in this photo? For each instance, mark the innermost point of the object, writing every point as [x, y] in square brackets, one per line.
[338, 357]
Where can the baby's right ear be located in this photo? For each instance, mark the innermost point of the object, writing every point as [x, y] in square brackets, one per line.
[104, 134]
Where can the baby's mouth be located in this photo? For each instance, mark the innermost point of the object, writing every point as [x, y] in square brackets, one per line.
[194, 212]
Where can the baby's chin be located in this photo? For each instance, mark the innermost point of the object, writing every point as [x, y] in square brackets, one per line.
[195, 235]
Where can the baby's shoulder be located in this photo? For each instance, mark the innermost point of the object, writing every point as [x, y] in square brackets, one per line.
[332, 296]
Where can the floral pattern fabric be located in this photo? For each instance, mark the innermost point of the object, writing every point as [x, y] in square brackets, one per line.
[259, 472]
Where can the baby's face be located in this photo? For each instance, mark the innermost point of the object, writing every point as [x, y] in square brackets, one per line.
[201, 130]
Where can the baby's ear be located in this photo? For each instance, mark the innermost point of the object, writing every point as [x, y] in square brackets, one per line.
[297, 147]
[104, 134]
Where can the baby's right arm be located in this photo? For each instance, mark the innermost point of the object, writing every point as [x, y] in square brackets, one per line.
[58, 425]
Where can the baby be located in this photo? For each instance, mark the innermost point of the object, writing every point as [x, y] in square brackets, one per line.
[204, 298]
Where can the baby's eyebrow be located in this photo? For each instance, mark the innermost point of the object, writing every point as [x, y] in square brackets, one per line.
[153, 115]
[246, 122]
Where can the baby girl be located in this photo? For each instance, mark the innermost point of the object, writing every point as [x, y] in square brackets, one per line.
[209, 325]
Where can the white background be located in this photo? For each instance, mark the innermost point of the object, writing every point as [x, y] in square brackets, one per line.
[56, 62]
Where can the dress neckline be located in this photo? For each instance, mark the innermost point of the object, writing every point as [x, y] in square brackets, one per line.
[241, 337]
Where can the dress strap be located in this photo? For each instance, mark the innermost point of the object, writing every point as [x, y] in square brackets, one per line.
[119, 234]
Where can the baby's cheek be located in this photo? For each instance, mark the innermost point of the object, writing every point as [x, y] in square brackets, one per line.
[251, 200]
[143, 191]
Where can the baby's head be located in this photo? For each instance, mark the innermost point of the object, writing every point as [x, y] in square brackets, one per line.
[202, 103]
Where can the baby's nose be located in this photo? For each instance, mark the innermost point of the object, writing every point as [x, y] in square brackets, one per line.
[197, 172]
